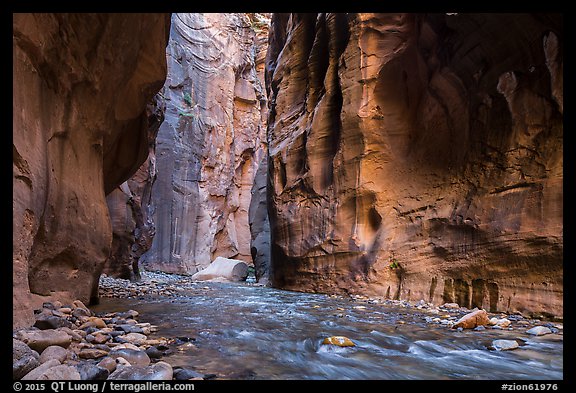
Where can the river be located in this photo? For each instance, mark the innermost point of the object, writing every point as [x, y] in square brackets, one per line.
[244, 331]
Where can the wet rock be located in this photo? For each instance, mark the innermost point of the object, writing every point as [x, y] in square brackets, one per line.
[77, 304]
[42, 339]
[539, 331]
[340, 341]
[94, 322]
[183, 374]
[45, 321]
[48, 305]
[504, 345]
[92, 353]
[65, 310]
[128, 328]
[135, 357]
[98, 338]
[135, 338]
[130, 314]
[127, 345]
[80, 312]
[493, 321]
[450, 306]
[59, 373]
[472, 320]
[156, 372]
[24, 359]
[108, 363]
[38, 371]
[479, 328]
[55, 352]
[154, 353]
[503, 322]
[92, 372]
[73, 333]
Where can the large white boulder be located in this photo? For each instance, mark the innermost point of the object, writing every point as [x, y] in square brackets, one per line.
[223, 268]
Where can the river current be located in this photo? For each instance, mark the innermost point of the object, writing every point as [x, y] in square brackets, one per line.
[243, 331]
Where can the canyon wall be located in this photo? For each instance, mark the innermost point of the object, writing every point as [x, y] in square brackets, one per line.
[81, 83]
[418, 157]
[211, 143]
[129, 206]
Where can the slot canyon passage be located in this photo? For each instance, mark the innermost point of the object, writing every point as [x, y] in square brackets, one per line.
[287, 196]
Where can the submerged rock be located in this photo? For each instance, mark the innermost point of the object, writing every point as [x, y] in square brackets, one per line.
[504, 345]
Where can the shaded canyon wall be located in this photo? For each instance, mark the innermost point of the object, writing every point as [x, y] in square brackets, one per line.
[211, 144]
[129, 206]
[81, 83]
[418, 157]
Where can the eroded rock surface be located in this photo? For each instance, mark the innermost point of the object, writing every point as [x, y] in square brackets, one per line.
[130, 207]
[211, 143]
[81, 83]
[418, 157]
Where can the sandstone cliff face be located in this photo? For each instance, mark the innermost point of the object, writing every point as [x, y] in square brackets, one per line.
[418, 157]
[210, 145]
[81, 83]
[129, 206]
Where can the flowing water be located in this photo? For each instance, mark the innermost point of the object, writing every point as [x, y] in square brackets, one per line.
[244, 331]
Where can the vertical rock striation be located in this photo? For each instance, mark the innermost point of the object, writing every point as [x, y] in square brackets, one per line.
[129, 207]
[210, 145]
[81, 83]
[418, 157]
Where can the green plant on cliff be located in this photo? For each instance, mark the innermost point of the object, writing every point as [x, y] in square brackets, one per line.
[393, 263]
[187, 98]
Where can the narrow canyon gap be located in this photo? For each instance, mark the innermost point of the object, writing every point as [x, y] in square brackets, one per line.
[201, 193]
[403, 155]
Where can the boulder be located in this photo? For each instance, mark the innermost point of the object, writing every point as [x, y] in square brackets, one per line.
[340, 341]
[539, 331]
[24, 359]
[228, 269]
[92, 353]
[49, 321]
[504, 345]
[135, 338]
[472, 320]
[40, 370]
[160, 371]
[92, 372]
[108, 363]
[42, 339]
[54, 352]
[136, 358]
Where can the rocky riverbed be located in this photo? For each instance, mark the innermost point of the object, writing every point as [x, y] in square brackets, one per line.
[70, 341]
